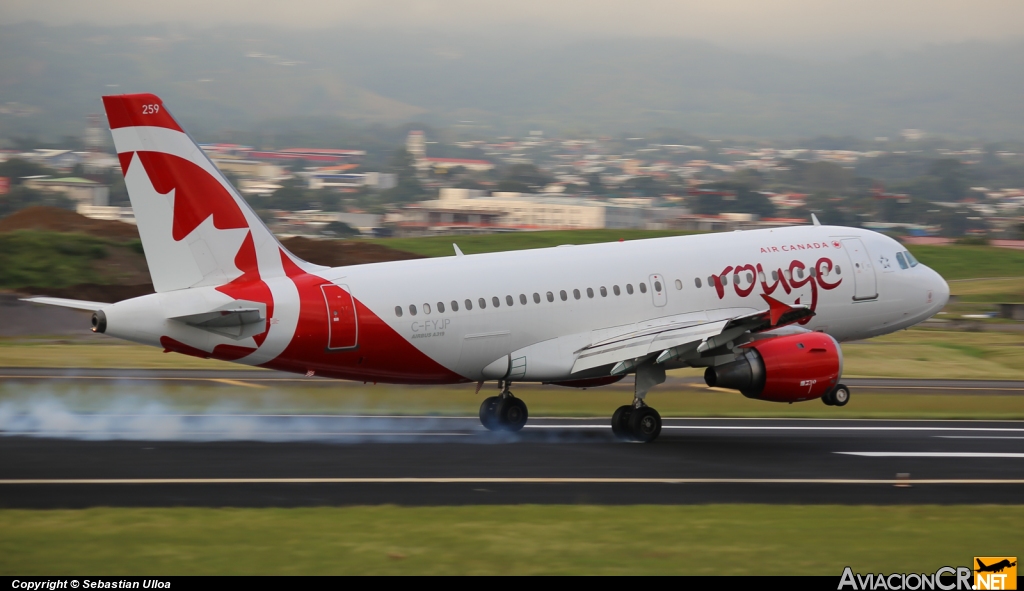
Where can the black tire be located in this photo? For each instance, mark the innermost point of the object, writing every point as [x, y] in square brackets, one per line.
[489, 413]
[828, 399]
[620, 421]
[512, 414]
[841, 395]
[645, 424]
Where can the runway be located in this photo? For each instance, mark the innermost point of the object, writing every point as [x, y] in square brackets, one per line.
[288, 461]
[267, 378]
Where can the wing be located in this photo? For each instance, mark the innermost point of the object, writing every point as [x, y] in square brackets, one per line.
[677, 340]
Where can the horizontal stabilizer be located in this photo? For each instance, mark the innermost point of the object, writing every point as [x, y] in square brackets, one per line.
[238, 320]
[65, 303]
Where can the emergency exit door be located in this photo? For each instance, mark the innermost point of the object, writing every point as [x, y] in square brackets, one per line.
[342, 322]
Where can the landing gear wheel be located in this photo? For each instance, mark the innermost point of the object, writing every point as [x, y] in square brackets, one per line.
[489, 414]
[620, 421]
[511, 413]
[827, 398]
[644, 424]
[841, 395]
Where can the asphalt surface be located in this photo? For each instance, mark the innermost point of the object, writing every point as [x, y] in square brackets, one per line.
[266, 377]
[287, 461]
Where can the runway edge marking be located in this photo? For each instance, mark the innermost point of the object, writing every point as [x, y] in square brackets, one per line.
[145, 481]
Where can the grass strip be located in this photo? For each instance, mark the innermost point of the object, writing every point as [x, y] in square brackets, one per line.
[522, 539]
[153, 400]
[918, 353]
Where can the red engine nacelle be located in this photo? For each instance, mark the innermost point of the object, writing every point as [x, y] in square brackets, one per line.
[783, 369]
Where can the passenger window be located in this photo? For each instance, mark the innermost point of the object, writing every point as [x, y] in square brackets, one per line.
[615, 289]
[775, 275]
[711, 280]
[522, 299]
[455, 306]
[576, 293]
[902, 261]
[838, 270]
[750, 277]
[509, 300]
[629, 288]
[496, 301]
[398, 311]
[724, 279]
[536, 298]
[483, 303]
[799, 273]
[604, 292]
[696, 281]
[469, 304]
[789, 276]
[551, 297]
[412, 309]
[563, 295]
[679, 284]
[440, 307]
[590, 292]
[760, 276]
[812, 272]
[426, 308]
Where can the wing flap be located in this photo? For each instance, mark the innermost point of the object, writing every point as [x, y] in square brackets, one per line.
[686, 336]
[639, 346]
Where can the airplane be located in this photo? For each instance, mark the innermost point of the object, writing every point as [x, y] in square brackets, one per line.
[764, 311]
[994, 568]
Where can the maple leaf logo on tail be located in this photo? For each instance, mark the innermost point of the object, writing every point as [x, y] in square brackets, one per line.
[192, 222]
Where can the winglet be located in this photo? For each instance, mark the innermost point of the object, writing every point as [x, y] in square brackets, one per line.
[814, 220]
[776, 308]
[458, 252]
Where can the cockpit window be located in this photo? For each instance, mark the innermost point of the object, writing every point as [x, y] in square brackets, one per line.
[902, 261]
[910, 259]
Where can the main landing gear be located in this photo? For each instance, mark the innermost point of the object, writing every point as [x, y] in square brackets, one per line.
[637, 421]
[503, 412]
[837, 396]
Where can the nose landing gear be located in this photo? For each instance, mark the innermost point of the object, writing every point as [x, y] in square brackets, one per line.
[503, 412]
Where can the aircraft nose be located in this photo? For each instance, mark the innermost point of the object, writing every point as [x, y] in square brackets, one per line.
[938, 291]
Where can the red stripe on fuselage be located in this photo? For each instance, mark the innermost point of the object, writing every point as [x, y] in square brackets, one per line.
[382, 355]
[249, 285]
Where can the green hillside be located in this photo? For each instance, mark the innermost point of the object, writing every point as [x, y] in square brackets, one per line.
[969, 262]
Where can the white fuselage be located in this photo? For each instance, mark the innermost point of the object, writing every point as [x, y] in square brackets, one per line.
[466, 341]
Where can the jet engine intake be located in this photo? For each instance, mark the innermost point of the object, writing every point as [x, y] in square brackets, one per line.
[782, 369]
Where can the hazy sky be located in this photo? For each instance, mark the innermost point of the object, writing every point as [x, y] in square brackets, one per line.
[772, 24]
